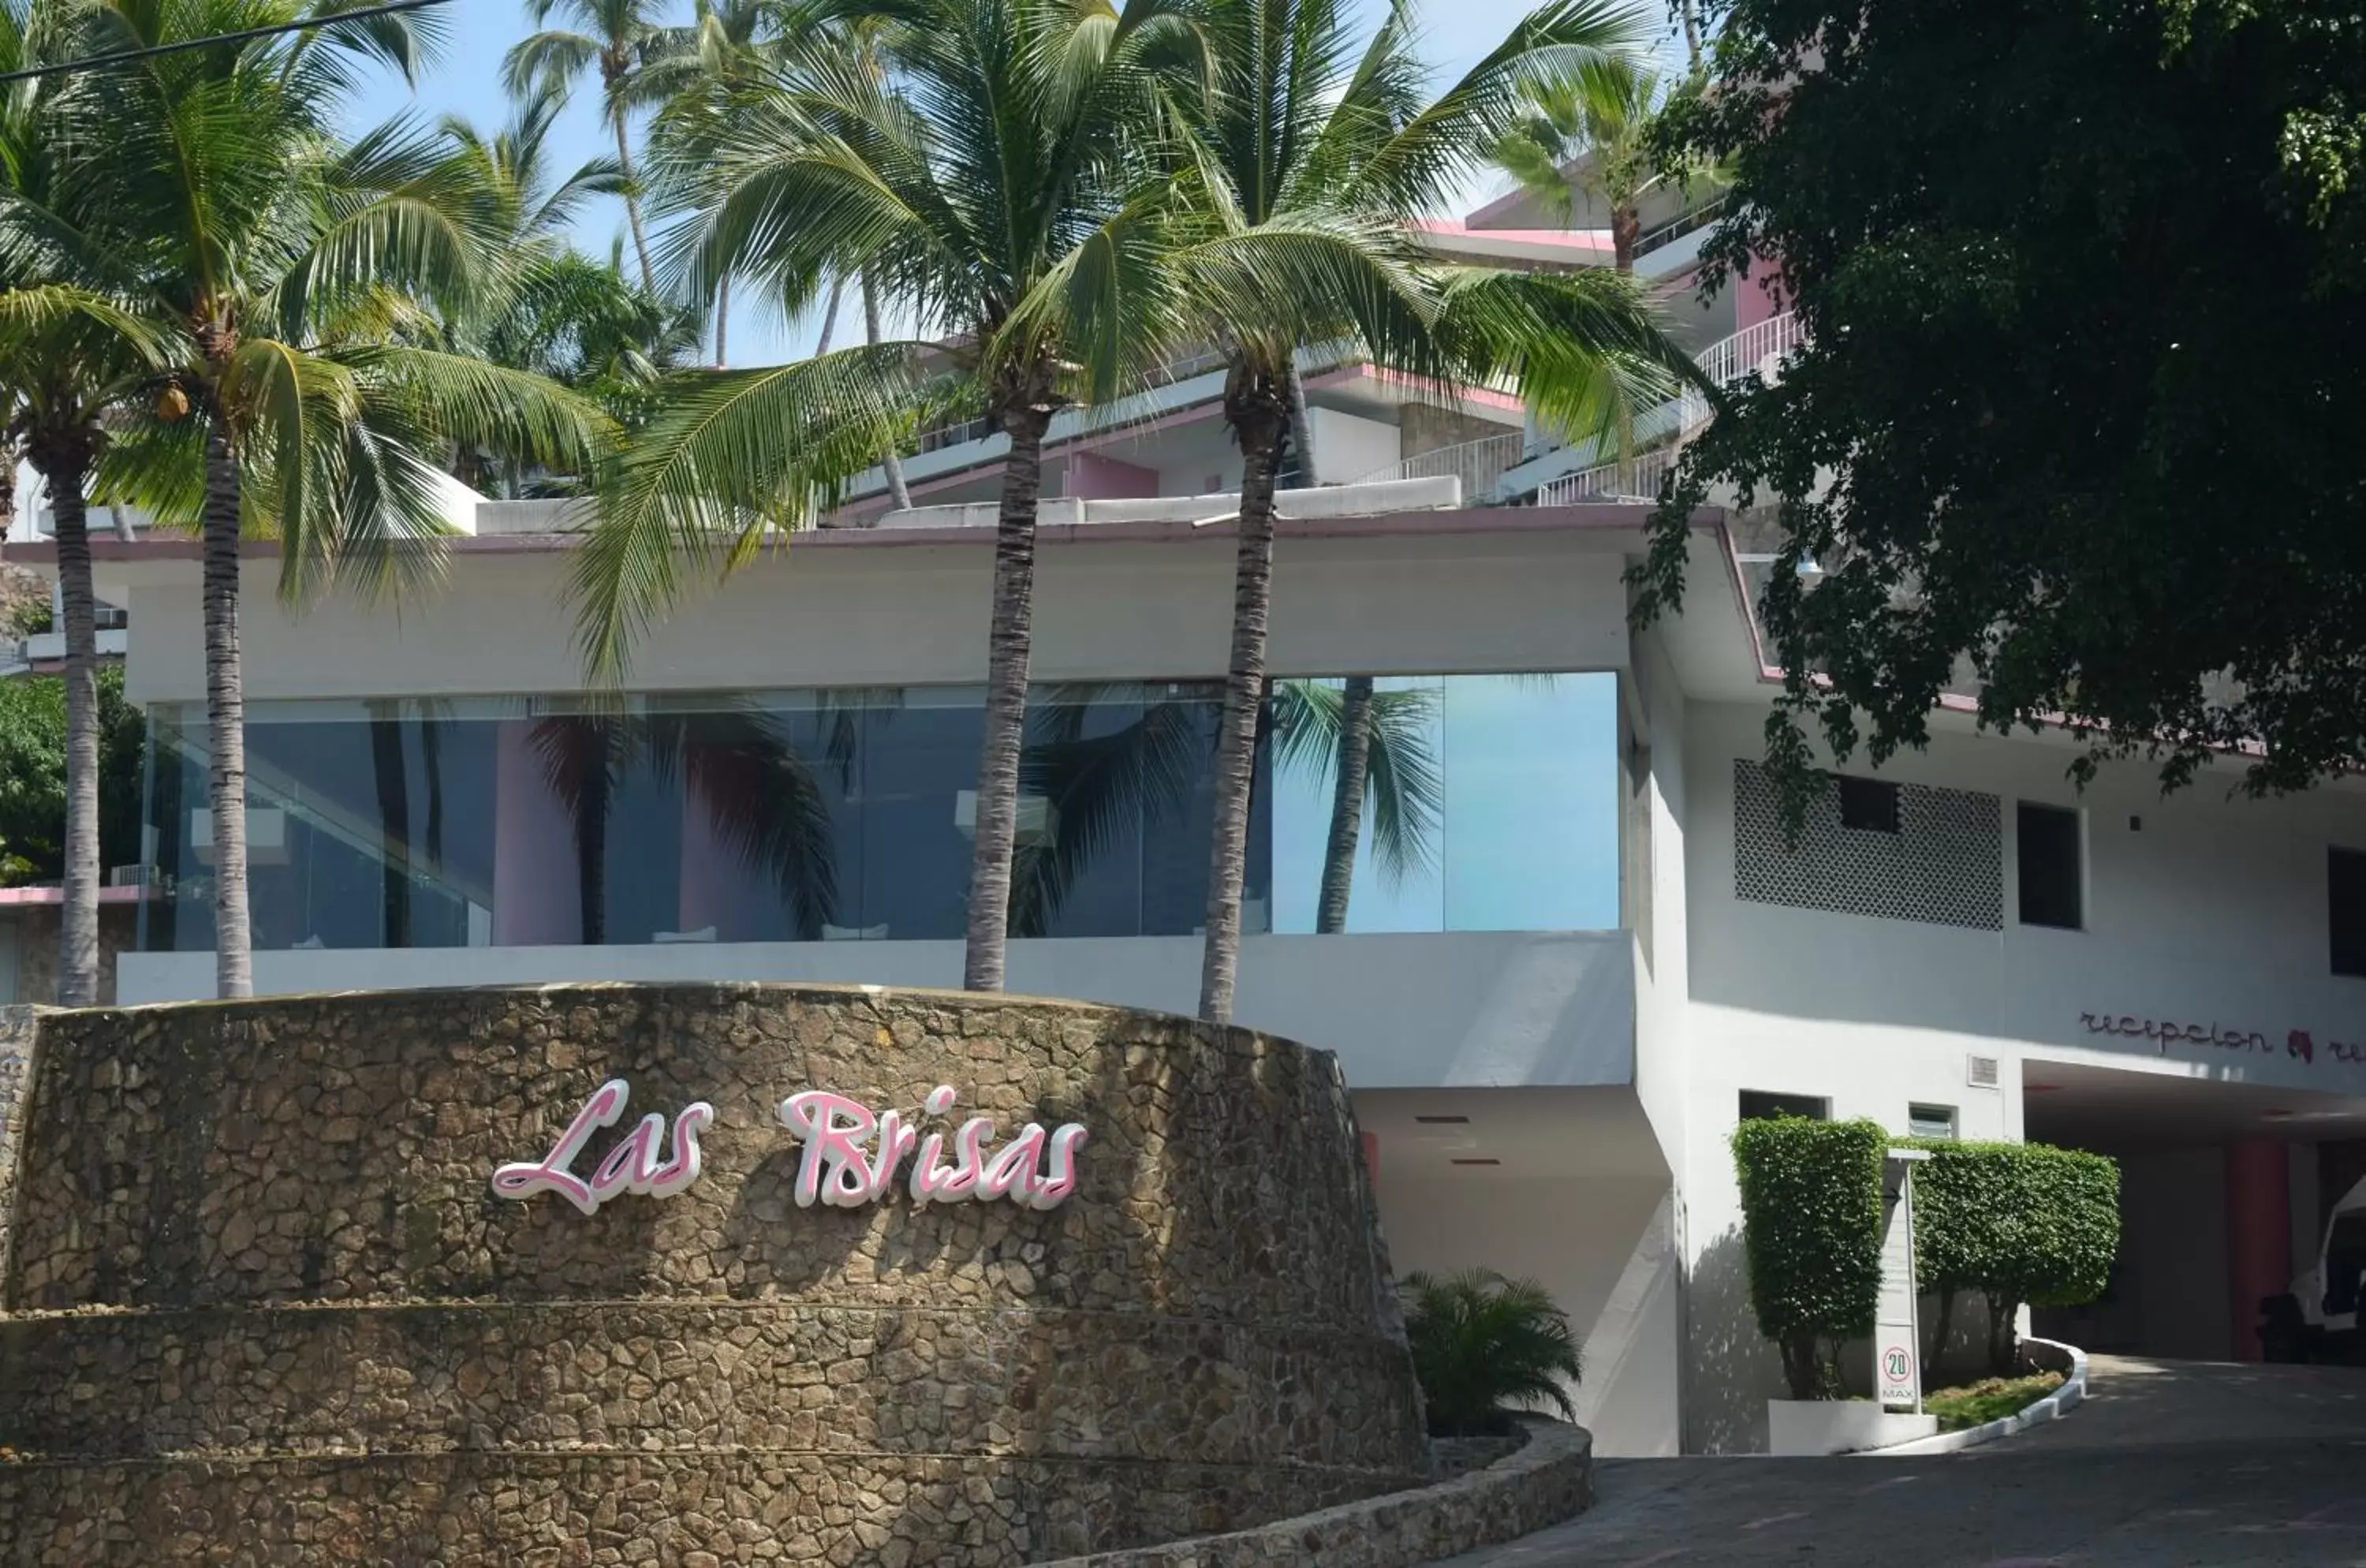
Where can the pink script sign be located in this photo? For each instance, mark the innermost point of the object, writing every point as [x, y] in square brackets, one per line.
[851, 1156]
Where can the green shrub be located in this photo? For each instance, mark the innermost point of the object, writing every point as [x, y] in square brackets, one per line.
[2015, 1222]
[1483, 1347]
[1811, 1224]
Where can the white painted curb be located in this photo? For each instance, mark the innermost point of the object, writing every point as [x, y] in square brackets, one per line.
[2051, 1407]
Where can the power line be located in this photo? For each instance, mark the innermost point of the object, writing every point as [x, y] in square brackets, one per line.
[125, 56]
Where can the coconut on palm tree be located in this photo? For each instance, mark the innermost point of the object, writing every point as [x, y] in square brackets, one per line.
[990, 180]
[1311, 157]
[300, 271]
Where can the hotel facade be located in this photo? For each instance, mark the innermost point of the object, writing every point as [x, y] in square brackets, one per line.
[1575, 950]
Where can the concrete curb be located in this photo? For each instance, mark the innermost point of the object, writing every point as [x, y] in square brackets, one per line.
[2050, 1355]
[1547, 1480]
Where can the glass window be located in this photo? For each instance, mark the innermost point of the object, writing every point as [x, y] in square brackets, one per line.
[2051, 875]
[1868, 804]
[2344, 872]
[1763, 1105]
[1474, 803]
[1931, 1121]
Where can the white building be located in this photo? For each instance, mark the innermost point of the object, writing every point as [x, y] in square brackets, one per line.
[1598, 955]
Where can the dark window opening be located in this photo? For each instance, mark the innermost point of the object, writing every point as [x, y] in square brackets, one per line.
[1760, 1105]
[1870, 805]
[2051, 894]
[2346, 883]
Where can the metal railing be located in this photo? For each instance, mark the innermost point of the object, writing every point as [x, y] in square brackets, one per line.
[1679, 226]
[1479, 465]
[1756, 349]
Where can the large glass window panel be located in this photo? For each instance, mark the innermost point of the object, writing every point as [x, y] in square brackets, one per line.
[1358, 859]
[916, 811]
[1093, 764]
[1531, 819]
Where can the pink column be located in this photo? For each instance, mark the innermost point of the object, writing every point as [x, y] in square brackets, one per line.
[2259, 1234]
[1372, 1157]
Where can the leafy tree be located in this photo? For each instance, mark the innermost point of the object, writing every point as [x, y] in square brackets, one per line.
[33, 787]
[1484, 1346]
[990, 182]
[2074, 429]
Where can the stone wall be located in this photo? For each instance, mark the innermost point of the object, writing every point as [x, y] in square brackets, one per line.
[37, 948]
[1546, 1479]
[264, 1305]
[17, 1032]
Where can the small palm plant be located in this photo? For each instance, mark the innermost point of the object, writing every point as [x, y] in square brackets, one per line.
[1486, 1347]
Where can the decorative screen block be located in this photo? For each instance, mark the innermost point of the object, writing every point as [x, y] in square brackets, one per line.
[1944, 863]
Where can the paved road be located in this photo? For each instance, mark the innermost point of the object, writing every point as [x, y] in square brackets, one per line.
[2165, 1464]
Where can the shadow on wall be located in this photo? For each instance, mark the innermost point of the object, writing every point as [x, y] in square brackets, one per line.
[1732, 1370]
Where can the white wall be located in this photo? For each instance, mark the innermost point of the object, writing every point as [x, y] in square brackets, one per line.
[879, 613]
[1347, 448]
[1471, 1009]
[2213, 912]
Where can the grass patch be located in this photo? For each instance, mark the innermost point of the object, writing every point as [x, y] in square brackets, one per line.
[1976, 1404]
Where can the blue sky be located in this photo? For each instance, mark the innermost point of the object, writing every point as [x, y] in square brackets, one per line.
[467, 82]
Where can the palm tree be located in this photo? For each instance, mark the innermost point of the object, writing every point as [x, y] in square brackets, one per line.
[298, 270]
[1595, 136]
[618, 37]
[1312, 159]
[69, 356]
[989, 182]
[1484, 1346]
[692, 71]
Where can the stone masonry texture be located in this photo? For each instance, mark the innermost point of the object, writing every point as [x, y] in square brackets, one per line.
[260, 1305]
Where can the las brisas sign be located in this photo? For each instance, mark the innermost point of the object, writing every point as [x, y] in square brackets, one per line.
[851, 1156]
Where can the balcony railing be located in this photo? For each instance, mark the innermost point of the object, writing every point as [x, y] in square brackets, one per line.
[1756, 349]
[1479, 465]
[1676, 228]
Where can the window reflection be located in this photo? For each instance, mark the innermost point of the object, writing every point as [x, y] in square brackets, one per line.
[1386, 803]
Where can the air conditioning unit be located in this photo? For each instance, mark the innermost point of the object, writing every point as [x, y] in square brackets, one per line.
[266, 835]
[135, 877]
[1980, 1072]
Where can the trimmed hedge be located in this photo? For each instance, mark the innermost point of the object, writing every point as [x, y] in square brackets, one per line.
[1811, 1225]
[2017, 1222]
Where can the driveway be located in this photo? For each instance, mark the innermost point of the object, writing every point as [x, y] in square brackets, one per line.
[2166, 1464]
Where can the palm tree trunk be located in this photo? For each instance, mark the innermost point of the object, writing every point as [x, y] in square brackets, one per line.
[829, 315]
[1302, 429]
[394, 821]
[7, 491]
[722, 321]
[591, 835]
[226, 718]
[66, 474]
[123, 528]
[1346, 806]
[1258, 419]
[632, 201]
[898, 493]
[1009, 643]
[1690, 12]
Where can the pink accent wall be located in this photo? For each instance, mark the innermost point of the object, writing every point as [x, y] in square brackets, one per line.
[535, 900]
[1092, 477]
[1758, 296]
[2259, 1234]
[1372, 1157]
